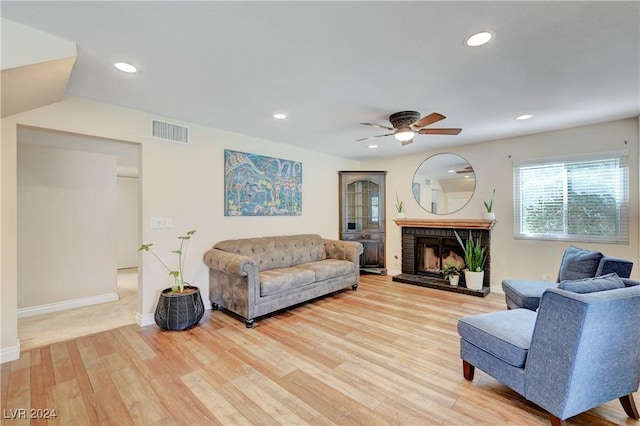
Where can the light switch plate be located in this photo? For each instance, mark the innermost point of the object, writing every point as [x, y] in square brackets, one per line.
[156, 223]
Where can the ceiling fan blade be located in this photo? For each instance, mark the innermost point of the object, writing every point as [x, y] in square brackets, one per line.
[428, 119]
[371, 137]
[467, 169]
[377, 125]
[439, 131]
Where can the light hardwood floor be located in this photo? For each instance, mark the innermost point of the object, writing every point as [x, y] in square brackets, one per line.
[387, 353]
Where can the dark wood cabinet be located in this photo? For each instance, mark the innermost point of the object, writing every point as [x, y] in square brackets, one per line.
[362, 215]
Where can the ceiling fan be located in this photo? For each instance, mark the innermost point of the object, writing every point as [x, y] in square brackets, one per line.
[467, 169]
[407, 123]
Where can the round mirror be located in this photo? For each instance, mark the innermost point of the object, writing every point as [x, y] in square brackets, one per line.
[444, 183]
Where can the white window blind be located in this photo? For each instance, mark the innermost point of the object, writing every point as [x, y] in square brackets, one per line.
[578, 199]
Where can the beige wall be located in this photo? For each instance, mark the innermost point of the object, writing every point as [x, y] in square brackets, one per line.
[493, 165]
[128, 225]
[9, 347]
[186, 183]
[182, 182]
[66, 217]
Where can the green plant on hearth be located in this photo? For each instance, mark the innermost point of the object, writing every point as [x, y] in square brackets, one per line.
[451, 270]
[489, 205]
[399, 204]
[178, 276]
[474, 253]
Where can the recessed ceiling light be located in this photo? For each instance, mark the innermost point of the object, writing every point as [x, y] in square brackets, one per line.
[373, 146]
[125, 67]
[279, 116]
[479, 39]
[451, 171]
[524, 117]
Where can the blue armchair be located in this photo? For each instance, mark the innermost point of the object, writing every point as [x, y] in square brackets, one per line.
[579, 350]
[577, 263]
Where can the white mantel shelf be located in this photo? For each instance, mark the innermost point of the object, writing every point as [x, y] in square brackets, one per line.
[446, 223]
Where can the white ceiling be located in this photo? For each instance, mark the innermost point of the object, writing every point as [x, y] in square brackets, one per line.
[333, 65]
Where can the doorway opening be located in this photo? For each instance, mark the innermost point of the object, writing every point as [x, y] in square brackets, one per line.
[79, 221]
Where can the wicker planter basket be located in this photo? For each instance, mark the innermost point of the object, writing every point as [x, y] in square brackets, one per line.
[179, 311]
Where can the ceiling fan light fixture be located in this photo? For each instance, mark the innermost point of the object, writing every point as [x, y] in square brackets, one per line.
[404, 135]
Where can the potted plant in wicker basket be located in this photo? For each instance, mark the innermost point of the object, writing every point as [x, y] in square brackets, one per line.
[179, 307]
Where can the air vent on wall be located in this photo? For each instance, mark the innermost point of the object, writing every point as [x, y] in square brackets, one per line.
[169, 131]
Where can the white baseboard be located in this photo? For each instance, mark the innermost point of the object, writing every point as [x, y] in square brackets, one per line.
[497, 288]
[10, 354]
[67, 304]
[145, 320]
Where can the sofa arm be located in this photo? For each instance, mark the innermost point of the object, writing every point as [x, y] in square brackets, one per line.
[609, 264]
[584, 350]
[230, 263]
[343, 250]
[628, 282]
[234, 282]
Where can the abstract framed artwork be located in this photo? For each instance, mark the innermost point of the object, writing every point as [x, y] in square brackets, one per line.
[256, 185]
[416, 191]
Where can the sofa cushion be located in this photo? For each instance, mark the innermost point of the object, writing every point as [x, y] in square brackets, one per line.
[578, 263]
[592, 285]
[278, 280]
[504, 334]
[329, 268]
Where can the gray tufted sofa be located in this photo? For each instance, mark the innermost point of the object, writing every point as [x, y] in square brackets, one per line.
[256, 276]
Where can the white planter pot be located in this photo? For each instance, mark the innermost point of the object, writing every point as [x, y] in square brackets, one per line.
[454, 279]
[474, 279]
[490, 216]
[400, 216]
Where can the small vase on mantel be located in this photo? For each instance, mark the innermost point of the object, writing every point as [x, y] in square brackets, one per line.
[488, 205]
[400, 215]
[489, 215]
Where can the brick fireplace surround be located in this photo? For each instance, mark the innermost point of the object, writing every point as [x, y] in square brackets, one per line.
[439, 232]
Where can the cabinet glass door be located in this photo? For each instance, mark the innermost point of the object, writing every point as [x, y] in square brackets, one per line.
[363, 206]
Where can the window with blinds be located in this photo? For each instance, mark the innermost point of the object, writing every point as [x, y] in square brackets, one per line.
[577, 199]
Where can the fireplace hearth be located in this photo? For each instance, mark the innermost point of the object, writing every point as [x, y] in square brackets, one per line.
[428, 245]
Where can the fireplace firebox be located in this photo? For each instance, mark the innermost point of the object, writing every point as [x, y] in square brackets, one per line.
[428, 245]
[433, 253]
